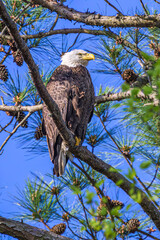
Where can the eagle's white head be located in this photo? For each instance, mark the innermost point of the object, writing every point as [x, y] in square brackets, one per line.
[77, 57]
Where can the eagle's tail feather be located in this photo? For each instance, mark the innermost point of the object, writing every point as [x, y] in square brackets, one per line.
[62, 159]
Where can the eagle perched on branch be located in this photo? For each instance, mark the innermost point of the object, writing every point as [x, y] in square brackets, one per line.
[71, 88]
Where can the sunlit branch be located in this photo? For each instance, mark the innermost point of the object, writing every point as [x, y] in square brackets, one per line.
[21, 108]
[100, 20]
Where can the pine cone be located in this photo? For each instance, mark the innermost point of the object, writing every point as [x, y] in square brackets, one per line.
[115, 203]
[59, 228]
[11, 113]
[55, 191]
[3, 73]
[38, 133]
[126, 151]
[20, 116]
[92, 140]
[157, 52]
[129, 76]
[18, 58]
[102, 211]
[17, 55]
[132, 225]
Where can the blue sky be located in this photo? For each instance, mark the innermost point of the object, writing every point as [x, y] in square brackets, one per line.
[16, 164]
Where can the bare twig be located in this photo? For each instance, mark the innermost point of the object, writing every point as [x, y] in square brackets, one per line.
[145, 10]
[15, 129]
[147, 234]
[157, 167]
[73, 232]
[110, 4]
[55, 22]
[5, 56]
[73, 42]
[84, 210]
[156, 1]
[3, 128]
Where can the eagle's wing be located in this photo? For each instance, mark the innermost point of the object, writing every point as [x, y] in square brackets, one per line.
[81, 102]
[73, 91]
[59, 88]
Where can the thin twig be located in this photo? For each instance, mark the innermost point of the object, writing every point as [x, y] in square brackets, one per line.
[147, 234]
[55, 22]
[42, 221]
[73, 232]
[15, 129]
[93, 182]
[5, 56]
[110, 4]
[156, 1]
[157, 167]
[73, 42]
[84, 210]
[3, 128]
[145, 10]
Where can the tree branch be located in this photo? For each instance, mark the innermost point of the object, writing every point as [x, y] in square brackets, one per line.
[79, 152]
[21, 108]
[100, 20]
[23, 231]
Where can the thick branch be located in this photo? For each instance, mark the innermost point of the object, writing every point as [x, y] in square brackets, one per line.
[79, 152]
[23, 231]
[21, 108]
[107, 170]
[99, 20]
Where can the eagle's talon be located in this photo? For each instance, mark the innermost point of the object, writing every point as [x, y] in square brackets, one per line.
[78, 140]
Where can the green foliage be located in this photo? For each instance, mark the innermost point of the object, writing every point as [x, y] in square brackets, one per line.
[38, 202]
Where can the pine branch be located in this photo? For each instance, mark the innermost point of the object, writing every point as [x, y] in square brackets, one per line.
[100, 20]
[23, 231]
[21, 108]
[79, 152]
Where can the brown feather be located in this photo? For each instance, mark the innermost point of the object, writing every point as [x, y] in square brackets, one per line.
[73, 91]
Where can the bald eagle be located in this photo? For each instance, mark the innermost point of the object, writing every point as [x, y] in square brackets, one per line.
[71, 88]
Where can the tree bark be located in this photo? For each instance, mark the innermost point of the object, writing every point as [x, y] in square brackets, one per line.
[99, 20]
[23, 231]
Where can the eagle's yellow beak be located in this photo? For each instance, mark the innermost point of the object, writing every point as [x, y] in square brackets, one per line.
[88, 56]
